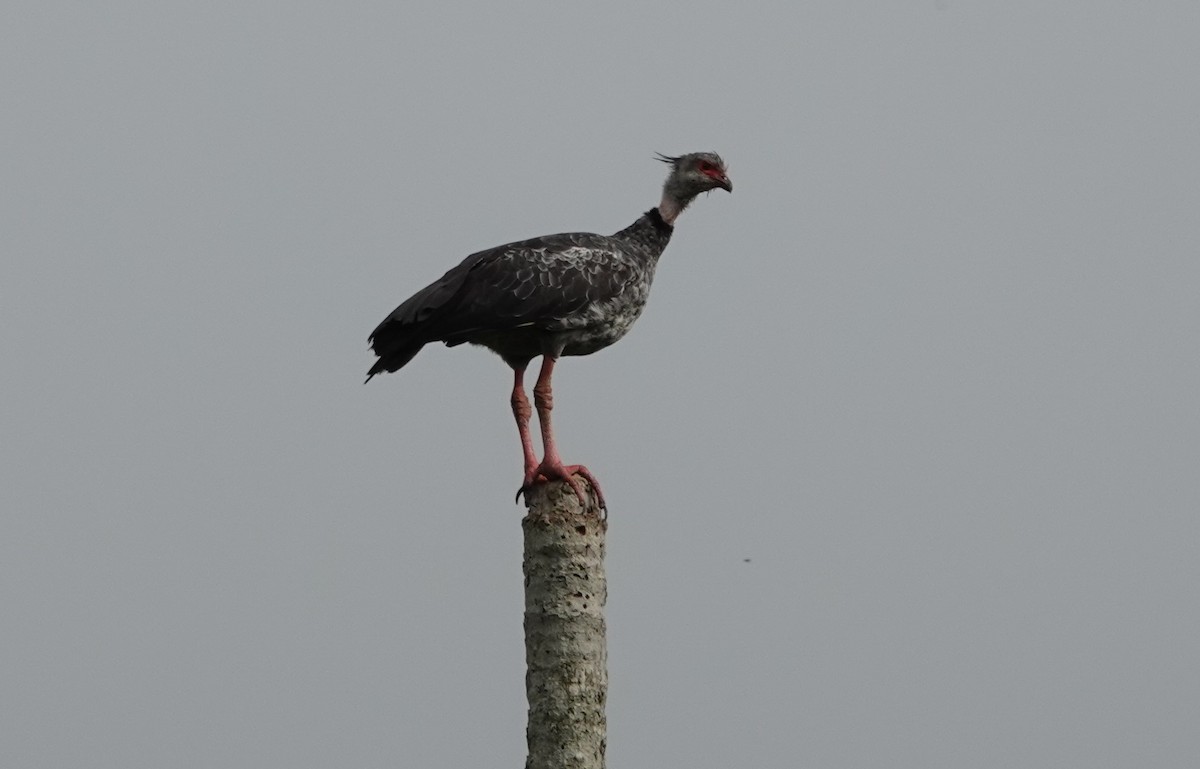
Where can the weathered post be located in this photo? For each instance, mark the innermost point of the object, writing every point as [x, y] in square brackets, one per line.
[566, 651]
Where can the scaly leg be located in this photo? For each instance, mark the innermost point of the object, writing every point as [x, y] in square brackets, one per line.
[522, 413]
[552, 466]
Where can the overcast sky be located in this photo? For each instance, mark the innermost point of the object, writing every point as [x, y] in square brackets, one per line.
[932, 368]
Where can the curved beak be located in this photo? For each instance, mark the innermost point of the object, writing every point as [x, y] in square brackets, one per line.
[725, 184]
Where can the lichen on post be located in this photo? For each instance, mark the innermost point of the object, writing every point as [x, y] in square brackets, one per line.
[566, 649]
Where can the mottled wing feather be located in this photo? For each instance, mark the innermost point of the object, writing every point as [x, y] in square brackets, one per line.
[547, 283]
[407, 324]
[542, 282]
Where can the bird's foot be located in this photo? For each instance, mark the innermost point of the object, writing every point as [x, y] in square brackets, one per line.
[552, 471]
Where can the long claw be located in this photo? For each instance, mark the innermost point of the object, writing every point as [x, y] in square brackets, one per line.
[573, 470]
[545, 474]
[578, 489]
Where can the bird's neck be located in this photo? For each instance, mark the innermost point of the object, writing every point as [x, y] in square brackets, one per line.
[671, 207]
[647, 236]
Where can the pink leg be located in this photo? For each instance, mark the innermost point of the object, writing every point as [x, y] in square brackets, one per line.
[552, 466]
[522, 413]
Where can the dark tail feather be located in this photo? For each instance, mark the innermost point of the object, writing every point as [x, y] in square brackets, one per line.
[394, 359]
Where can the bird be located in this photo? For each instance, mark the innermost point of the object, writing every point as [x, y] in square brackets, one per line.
[551, 296]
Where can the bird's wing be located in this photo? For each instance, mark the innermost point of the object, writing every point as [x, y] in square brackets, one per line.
[416, 311]
[538, 282]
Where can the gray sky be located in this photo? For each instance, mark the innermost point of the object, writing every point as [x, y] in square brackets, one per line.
[932, 368]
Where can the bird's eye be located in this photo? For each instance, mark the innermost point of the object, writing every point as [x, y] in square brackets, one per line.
[706, 167]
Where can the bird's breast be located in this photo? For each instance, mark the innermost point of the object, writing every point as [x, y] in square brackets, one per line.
[604, 322]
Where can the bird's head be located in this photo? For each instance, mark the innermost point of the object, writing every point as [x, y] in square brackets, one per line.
[694, 173]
